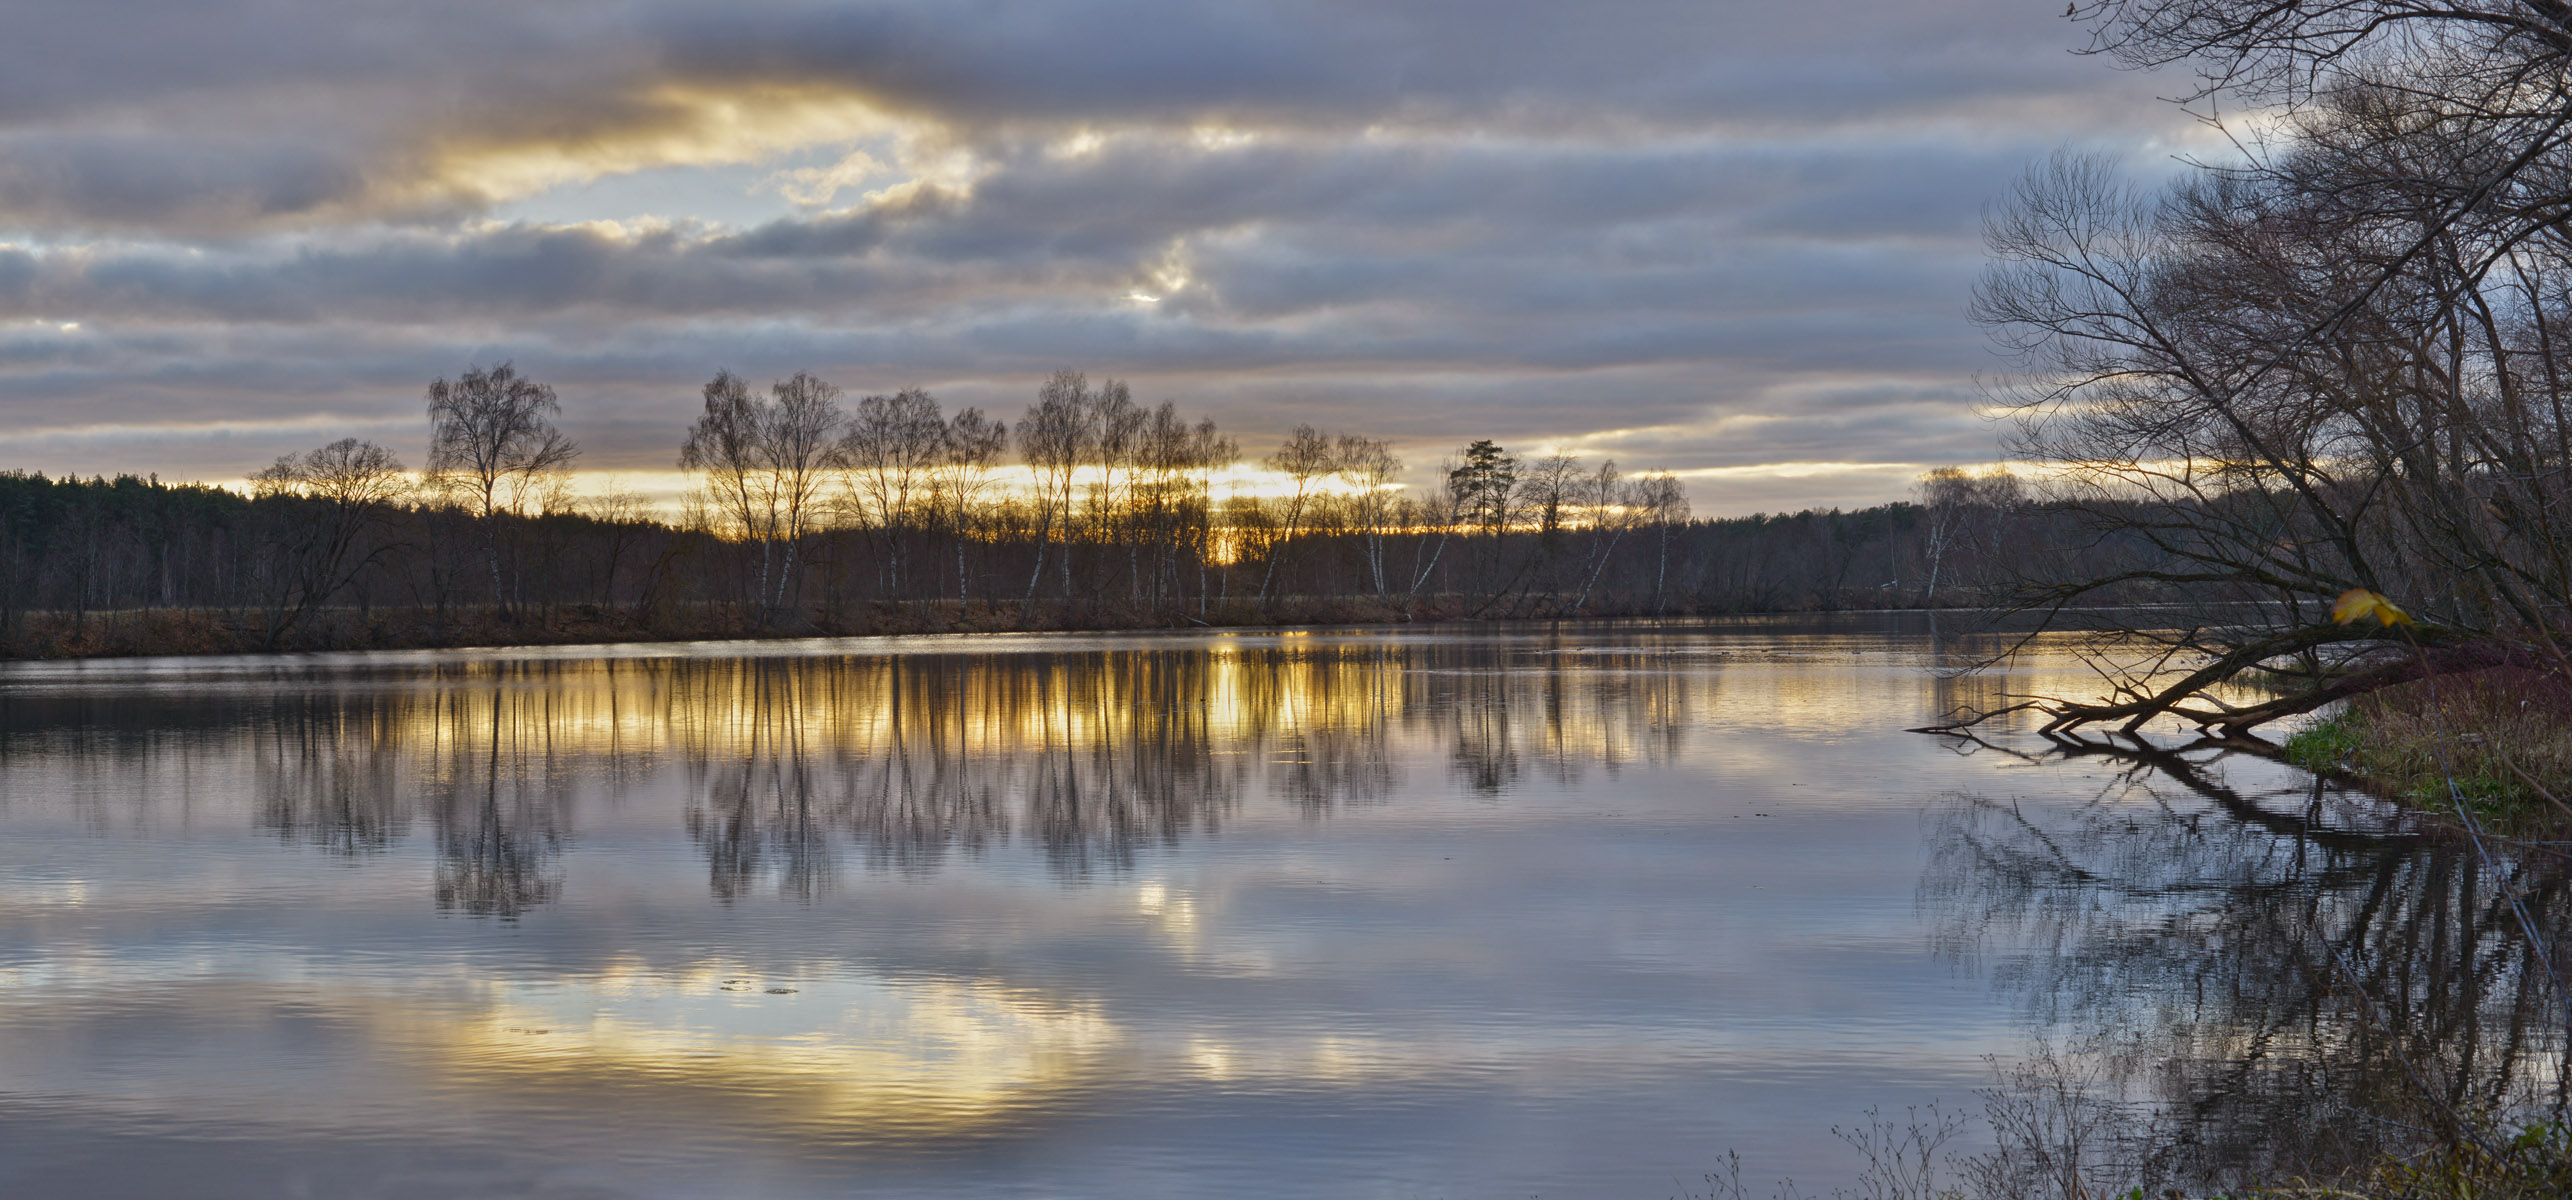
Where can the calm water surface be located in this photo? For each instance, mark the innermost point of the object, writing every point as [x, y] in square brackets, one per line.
[1563, 911]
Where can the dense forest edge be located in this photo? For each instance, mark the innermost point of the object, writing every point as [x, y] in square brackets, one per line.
[135, 566]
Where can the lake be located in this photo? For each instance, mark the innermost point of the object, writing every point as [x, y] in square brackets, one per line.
[1456, 912]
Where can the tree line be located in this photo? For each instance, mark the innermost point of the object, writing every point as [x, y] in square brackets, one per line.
[812, 513]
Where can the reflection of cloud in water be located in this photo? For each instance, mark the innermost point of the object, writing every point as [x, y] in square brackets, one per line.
[817, 1054]
[828, 1055]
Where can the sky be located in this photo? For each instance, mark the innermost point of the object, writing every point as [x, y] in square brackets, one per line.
[1730, 239]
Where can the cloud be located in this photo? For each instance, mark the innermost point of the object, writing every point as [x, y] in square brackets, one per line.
[817, 187]
[1746, 229]
[1265, 230]
[248, 115]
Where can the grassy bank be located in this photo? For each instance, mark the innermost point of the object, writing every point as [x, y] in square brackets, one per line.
[2503, 736]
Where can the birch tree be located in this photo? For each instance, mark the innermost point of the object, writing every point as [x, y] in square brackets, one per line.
[1665, 504]
[1055, 438]
[492, 439]
[1305, 459]
[968, 454]
[1371, 470]
[764, 462]
[799, 435]
[893, 447]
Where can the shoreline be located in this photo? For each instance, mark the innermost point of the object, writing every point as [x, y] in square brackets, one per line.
[166, 633]
[2498, 741]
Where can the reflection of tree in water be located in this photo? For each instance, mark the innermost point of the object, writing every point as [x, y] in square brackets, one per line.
[1321, 768]
[2286, 975]
[1484, 702]
[478, 753]
[1147, 774]
[918, 757]
[1321, 721]
[495, 793]
[753, 812]
[921, 792]
[899, 761]
[1560, 707]
[1095, 756]
[329, 775]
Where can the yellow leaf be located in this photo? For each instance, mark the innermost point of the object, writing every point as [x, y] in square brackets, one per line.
[2357, 604]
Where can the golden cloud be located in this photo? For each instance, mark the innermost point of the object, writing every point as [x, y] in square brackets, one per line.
[666, 125]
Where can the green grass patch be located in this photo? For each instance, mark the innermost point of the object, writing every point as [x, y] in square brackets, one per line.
[2330, 744]
[2502, 738]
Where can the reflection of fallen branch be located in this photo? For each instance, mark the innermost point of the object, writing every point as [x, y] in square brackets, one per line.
[1963, 740]
[2190, 697]
[2173, 763]
[1961, 720]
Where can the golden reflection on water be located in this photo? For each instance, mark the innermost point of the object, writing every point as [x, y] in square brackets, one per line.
[825, 1055]
[819, 1056]
[792, 766]
[916, 757]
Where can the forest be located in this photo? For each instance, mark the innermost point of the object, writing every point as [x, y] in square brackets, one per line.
[889, 513]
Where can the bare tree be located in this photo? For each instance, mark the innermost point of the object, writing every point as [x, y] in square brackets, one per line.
[344, 493]
[1371, 470]
[1609, 507]
[764, 463]
[1305, 459]
[1184, 461]
[1550, 489]
[1665, 504]
[894, 443]
[1959, 511]
[1058, 435]
[1120, 426]
[968, 453]
[1546, 501]
[1163, 495]
[2320, 373]
[724, 445]
[799, 436]
[492, 438]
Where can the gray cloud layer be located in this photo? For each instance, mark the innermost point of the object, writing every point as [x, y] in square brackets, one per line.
[1693, 235]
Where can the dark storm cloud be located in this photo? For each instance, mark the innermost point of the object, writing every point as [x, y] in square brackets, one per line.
[1717, 235]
